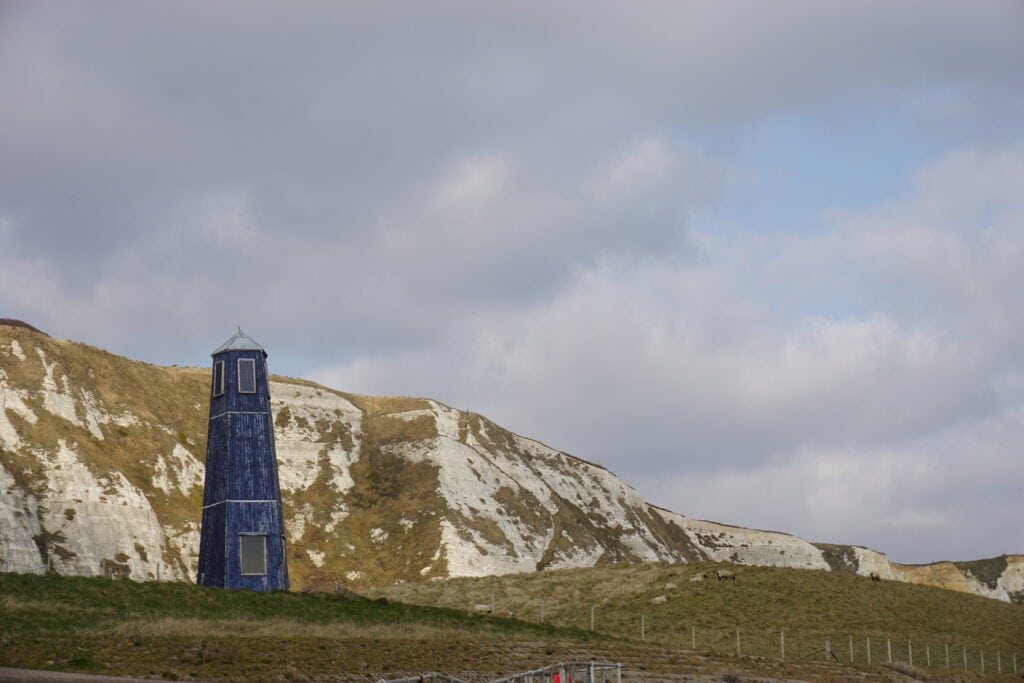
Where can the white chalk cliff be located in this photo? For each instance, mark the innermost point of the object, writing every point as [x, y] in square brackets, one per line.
[101, 472]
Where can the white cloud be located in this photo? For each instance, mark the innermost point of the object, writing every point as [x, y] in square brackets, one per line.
[475, 184]
[859, 427]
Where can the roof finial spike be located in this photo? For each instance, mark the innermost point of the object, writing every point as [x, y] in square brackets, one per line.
[239, 342]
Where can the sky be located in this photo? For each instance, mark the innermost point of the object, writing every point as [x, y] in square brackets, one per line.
[762, 260]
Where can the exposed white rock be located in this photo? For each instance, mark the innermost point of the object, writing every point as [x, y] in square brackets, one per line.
[317, 556]
[14, 348]
[446, 419]
[724, 543]
[93, 522]
[471, 476]
[13, 400]
[61, 400]
[178, 470]
[1011, 582]
[299, 447]
[873, 562]
[295, 523]
[57, 401]
[19, 526]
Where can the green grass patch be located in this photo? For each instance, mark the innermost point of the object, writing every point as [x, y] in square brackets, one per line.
[808, 605]
[180, 631]
[43, 606]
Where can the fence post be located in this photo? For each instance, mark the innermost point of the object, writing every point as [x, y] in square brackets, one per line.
[910, 653]
[868, 642]
[693, 636]
[737, 641]
[158, 571]
[782, 643]
[982, 661]
[828, 648]
[542, 610]
[999, 662]
[591, 617]
[851, 649]
[1014, 663]
[965, 657]
[888, 646]
[618, 673]
[947, 656]
[643, 628]
[928, 654]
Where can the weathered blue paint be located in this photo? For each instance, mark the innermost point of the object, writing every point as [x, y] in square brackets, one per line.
[242, 495]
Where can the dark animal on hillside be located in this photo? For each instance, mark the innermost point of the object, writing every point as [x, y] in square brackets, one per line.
[875, 576]
[725, 575]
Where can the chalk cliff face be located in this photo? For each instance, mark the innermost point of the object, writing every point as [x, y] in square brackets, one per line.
[101, 472]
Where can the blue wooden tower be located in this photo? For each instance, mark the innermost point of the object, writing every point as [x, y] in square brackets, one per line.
[242, 537]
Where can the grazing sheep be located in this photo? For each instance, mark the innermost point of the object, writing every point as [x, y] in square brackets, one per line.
[699, 577]
[669, 586]
[482, 609]
[725, 575]
[875, 576]
[660, 600]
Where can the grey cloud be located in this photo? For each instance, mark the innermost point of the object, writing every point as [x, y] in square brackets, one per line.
[501, 206]
[679, 369]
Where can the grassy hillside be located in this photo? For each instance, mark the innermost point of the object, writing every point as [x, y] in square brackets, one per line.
[177, 631]
[808, 605]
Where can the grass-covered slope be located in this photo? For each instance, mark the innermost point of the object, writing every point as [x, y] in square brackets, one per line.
[176, 630]
[808, 605]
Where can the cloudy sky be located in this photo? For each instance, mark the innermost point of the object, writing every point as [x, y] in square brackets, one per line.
[763, 260]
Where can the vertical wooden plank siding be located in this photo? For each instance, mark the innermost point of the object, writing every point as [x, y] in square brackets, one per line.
[242, 494]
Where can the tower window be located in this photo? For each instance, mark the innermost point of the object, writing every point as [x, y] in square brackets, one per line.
[253, 554]
[246, 376]
[218, 378]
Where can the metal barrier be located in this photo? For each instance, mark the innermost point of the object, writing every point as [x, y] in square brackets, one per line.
[563, 672]
[423, 678]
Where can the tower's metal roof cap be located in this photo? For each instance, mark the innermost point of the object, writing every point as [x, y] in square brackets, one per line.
[239, 342]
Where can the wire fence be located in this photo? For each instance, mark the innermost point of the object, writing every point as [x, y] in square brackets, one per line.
[864, 649]
[990, 654]
[951, 654]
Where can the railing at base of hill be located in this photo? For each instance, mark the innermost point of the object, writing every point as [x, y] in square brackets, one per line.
[563, 672]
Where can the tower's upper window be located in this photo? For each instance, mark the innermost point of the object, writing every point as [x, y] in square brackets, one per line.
[246, 376]
[218, 378]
